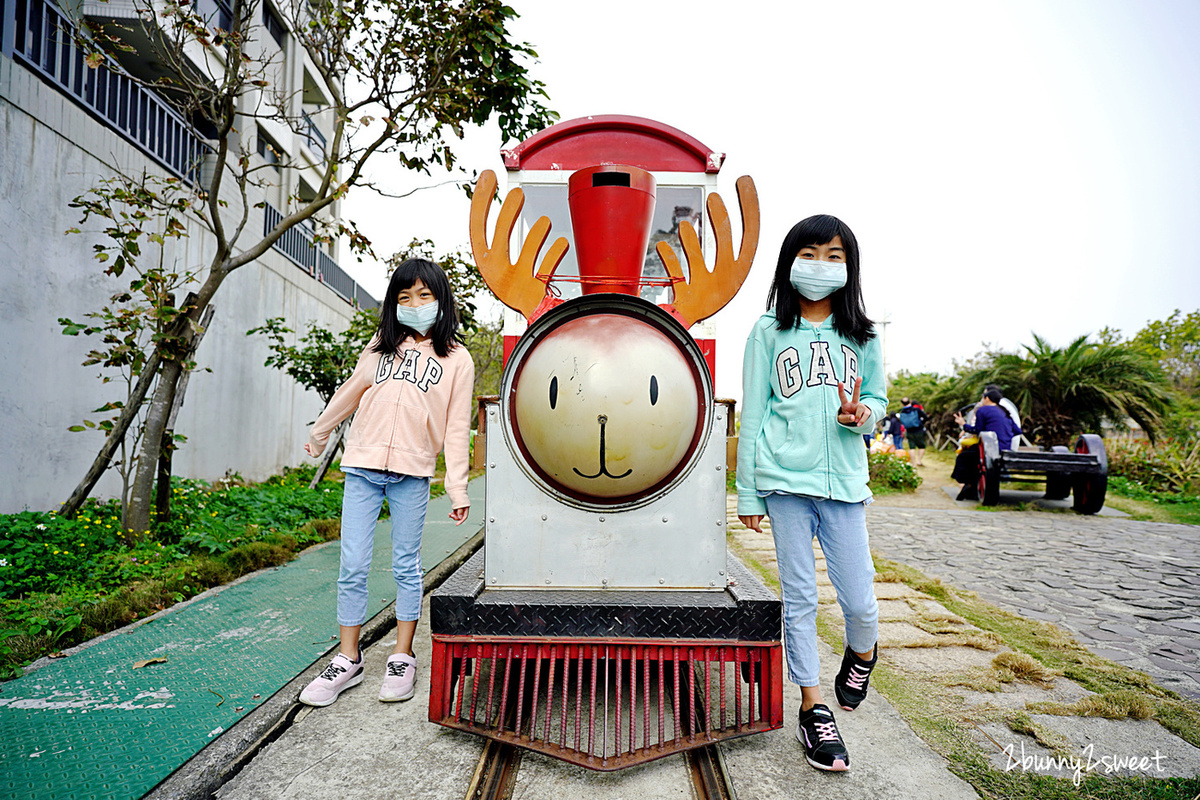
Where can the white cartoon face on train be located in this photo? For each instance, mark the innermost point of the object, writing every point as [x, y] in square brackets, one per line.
[606, 406]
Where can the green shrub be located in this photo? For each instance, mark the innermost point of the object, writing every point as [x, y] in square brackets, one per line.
[1171, 465]
[891, 472]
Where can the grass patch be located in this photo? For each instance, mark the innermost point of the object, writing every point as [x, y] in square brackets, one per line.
[1121, 704]
[1150, 506]
[1059, 653]
[1013, 666]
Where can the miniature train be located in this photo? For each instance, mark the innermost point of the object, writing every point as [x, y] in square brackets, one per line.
[604, 621]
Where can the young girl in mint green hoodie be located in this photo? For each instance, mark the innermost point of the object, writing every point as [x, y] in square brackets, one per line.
[812, 385]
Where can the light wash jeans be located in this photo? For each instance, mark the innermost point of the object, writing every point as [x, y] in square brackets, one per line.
[362, 499]
[841, 528]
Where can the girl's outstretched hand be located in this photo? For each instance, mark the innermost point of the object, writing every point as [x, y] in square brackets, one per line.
[753, 521]
[308, 449]
[852, 411]
[459, 515]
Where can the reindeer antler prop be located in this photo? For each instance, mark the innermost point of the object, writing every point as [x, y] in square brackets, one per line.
[706, 293]
[514, 283]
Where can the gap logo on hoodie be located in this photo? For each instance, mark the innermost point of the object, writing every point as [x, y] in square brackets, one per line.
[408, 368]
[820, 368]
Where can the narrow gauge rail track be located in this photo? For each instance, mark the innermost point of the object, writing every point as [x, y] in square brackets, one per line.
[496, 773]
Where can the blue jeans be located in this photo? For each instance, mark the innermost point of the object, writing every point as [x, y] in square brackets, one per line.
[361, 501]
[898, 440]
[841, 529]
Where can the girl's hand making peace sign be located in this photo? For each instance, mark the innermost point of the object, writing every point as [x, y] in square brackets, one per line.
[852, 411]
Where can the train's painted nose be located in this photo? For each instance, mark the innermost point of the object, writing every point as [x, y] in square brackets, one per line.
[606, 405]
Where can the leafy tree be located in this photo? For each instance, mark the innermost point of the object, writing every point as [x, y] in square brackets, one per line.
[486, 343]
[1063, 392]
[916, 386]
[418, 73]
[1174, 344]
[322, 360]
[140, 310]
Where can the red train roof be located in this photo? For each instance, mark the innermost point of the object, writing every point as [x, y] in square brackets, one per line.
[613, 139]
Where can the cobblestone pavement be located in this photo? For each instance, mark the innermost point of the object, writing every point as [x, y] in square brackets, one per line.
[1129, 590]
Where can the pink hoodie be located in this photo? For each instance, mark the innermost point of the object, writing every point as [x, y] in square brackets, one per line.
[410, 404]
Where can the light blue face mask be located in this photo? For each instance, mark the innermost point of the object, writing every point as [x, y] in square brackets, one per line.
[419, 318]
[816, 280]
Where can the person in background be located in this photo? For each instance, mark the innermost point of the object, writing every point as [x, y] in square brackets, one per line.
[989, 416]
[894, 429]
[913, 417]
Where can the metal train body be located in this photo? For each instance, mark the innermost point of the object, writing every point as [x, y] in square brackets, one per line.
[604, 622]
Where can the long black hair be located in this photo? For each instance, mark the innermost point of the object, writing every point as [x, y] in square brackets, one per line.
[849, 313]
[444, 334]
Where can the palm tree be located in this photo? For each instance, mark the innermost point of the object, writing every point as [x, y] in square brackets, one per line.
[1064, 392]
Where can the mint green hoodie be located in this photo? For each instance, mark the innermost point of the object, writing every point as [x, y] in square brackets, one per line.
[790, 439]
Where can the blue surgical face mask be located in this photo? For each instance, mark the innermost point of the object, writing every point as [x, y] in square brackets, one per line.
[816, 280]
[419, 318]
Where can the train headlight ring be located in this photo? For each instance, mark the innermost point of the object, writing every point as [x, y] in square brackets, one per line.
[609, 402]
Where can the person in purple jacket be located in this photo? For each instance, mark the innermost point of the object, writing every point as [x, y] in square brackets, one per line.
[989, 416]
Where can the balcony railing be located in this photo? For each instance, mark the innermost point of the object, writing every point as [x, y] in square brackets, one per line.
[297, 244]
[40, 37]
[316, 139]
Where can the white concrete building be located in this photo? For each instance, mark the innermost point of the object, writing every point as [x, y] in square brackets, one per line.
[64, 127]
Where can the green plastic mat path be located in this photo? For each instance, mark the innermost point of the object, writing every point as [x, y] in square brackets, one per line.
[92, 726]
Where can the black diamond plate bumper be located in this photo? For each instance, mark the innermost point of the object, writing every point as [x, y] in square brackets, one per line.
[745, 611]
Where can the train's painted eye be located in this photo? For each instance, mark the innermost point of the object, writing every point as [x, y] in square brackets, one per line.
[653, 390]
[554, 391]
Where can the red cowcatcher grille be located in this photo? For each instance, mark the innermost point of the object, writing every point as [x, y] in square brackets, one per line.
[606, 704]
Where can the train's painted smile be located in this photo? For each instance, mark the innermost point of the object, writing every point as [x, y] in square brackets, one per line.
[603, 420]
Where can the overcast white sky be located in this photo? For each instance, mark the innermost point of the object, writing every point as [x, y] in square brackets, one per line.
[1007, 167]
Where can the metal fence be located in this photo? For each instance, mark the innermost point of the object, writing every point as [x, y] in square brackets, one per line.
[316, 139]
[40, 37]
[37, 35]
[297, 244]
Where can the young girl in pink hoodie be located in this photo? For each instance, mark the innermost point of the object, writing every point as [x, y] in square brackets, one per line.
[413, 391]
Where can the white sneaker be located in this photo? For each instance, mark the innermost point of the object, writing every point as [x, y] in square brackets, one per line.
[341, 674]
[400, 682]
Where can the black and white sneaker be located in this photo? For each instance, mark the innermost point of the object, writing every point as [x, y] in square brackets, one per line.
[852, 679]
[823, 745]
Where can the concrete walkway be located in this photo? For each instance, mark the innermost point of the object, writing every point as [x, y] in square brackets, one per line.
[1128, 590]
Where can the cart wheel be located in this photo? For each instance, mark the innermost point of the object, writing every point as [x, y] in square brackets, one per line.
[989, 469]
[1058, 484]
[1090, 487]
